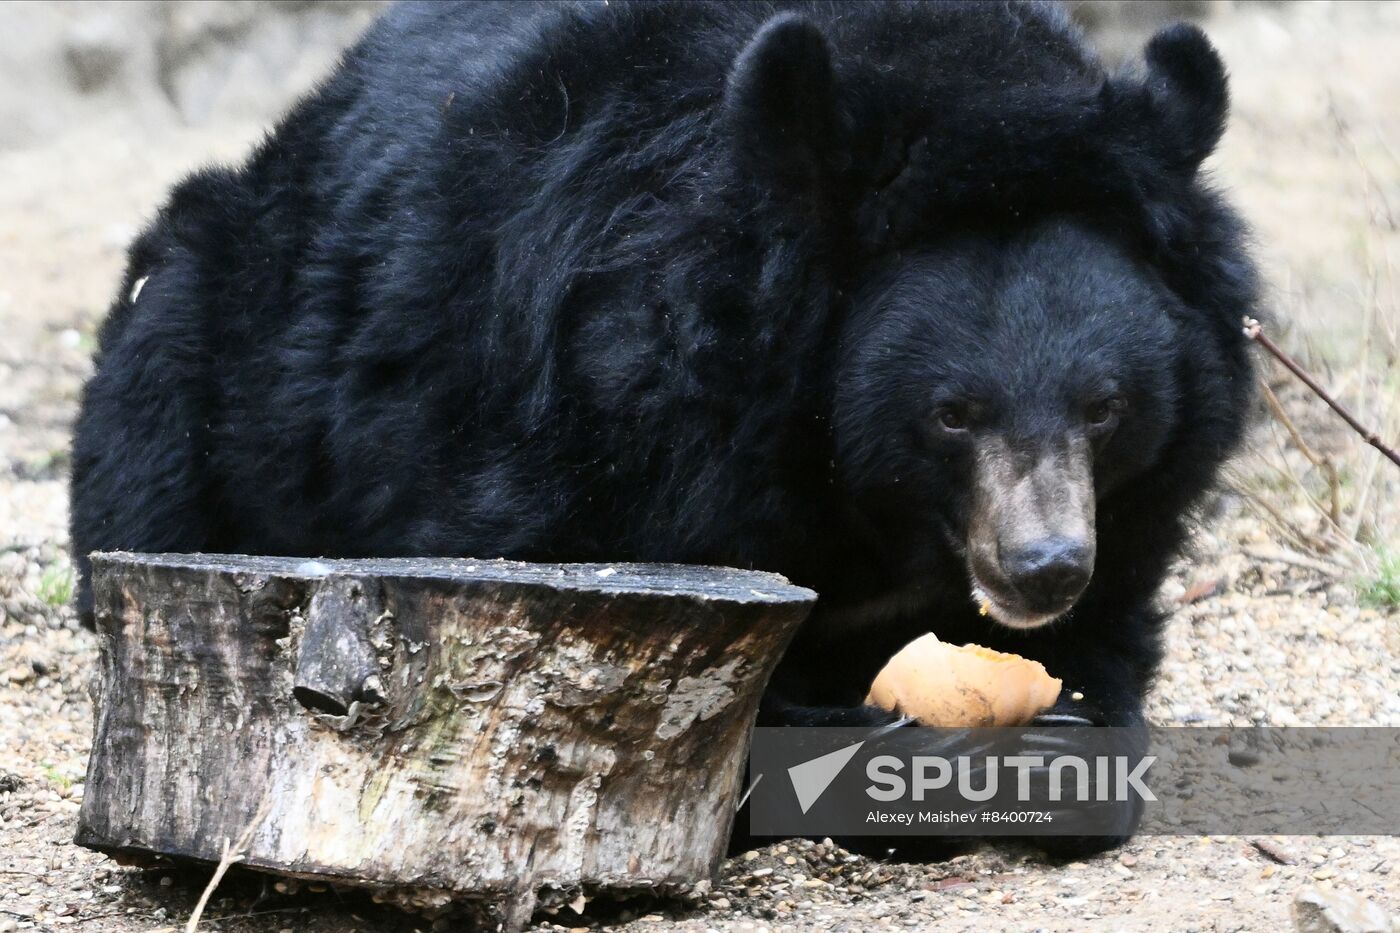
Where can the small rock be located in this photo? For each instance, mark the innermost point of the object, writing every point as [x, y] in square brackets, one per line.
[1243, 757]
[1318, 911]
[95, 52]
[1273, 852]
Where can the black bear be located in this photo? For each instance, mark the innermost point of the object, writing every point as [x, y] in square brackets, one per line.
[911, 302]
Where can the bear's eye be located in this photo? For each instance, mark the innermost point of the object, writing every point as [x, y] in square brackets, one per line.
[950, 419]
[1106, 411]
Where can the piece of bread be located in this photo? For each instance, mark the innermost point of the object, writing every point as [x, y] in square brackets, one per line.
[950, 687]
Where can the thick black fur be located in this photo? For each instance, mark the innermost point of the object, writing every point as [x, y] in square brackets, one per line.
[683, 282]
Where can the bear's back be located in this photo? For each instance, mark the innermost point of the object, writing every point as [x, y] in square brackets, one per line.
[506, 241]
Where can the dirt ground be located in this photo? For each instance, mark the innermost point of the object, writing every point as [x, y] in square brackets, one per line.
[1262, 632]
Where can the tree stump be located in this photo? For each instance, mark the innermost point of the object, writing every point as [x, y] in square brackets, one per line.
[492, 733]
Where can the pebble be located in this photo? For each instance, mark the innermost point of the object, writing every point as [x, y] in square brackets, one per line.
[20, 675]
[1317, 910]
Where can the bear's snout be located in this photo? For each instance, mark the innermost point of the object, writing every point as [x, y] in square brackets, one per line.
[1031, 544]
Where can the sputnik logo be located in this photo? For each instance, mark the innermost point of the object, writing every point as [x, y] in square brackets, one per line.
[811, 778]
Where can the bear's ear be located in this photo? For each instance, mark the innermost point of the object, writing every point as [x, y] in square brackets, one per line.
[780, 104]
[1188, 91]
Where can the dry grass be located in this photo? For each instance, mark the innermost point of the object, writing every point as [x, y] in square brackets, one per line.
[1334, 496]
[1328, 223]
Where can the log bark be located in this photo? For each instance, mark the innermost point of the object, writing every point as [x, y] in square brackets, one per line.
[488, 732]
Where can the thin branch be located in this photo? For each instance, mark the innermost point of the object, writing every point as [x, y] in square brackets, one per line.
[745, 799]
[233, 852]
[1334, 482]
[1296, 560]
[1272, 516]
[1254, 331]
[1328, 526]
[1372, 482]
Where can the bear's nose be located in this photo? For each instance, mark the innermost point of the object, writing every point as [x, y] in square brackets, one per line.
[1049, 573]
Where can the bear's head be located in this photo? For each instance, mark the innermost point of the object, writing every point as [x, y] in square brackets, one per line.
[993, 389]
[1041, 297]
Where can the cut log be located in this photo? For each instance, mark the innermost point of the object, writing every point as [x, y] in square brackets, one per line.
[483, 732]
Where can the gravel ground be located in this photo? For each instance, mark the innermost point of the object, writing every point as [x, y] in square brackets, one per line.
[1253, 639]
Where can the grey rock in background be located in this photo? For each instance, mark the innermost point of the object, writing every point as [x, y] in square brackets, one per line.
[1120, 27]
[190, 62]
[1316, 910]
[250, 59]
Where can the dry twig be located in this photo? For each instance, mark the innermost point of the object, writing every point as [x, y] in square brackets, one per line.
[1296, 560]
[233, 852]
[1322, 462]
[1254, 331]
